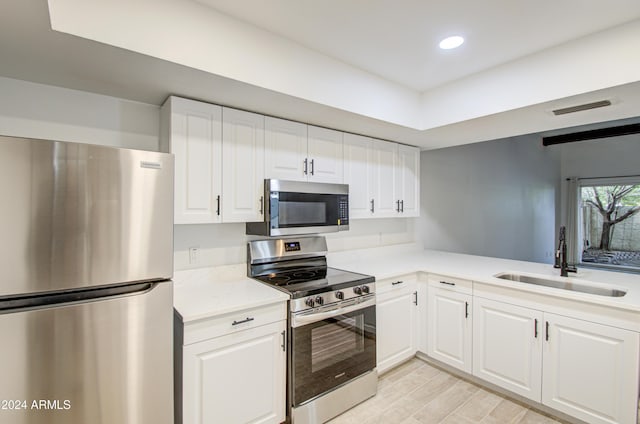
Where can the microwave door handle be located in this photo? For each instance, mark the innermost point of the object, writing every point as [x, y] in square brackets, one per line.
[304, 319]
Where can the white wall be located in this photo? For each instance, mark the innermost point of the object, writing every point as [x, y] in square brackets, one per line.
[226, 244]
[496, 198]
[42, 111]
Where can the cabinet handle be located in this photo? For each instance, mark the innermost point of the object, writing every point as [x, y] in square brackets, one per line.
[466, 309]
[284, 339]
[397, 282]
[398, 206]
[447, 283]
[247, 319]
[305, 165]
[415, 300]
[372, 206]
[312, 167]
[402, 206]
[261, 205]
[218, 205]
[546, 336]
[535, 328]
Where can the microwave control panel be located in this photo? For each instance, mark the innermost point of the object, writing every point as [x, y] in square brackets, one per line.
[343, 210]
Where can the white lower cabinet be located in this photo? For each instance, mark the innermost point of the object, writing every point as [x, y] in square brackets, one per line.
[237, 377]
[590, 370]
[507, 346]
[396, 321]
[584, 369]
[449, 333]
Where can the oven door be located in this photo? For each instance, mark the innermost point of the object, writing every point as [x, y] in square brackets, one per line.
[331, 347]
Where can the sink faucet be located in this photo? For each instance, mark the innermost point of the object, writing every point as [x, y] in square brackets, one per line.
[561, 255]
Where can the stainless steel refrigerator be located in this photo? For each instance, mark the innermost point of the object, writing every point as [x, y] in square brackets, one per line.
[86, 254]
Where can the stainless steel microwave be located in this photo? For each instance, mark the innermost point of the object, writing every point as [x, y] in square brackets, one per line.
[300, 207]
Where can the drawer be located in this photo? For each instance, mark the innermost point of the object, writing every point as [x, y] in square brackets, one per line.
[450, 283]
[400, 284]
[233, 322]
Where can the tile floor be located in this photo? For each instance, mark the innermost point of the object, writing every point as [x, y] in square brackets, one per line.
[417, 392]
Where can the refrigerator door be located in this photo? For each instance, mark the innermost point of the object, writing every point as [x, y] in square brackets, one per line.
[102, 362]
[77, 215]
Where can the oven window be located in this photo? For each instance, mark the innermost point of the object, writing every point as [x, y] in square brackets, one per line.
[336, 341]
[302, 213]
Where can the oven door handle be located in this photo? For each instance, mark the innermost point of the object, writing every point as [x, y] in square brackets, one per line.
[309, 318]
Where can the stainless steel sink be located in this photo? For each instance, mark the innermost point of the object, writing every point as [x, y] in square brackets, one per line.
[564, 285]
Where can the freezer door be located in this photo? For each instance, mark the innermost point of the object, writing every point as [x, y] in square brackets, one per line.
[77, 215]
[101, 362]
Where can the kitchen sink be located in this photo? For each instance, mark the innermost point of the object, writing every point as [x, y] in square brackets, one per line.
[564, 285]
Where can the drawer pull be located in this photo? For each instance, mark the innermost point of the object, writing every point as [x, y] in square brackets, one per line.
[395, 283]
[247, 319]
[447, 283]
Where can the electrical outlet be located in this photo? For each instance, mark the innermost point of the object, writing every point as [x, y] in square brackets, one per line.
[193, 255]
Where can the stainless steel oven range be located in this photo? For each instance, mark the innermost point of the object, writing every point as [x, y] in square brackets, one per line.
[332, 326]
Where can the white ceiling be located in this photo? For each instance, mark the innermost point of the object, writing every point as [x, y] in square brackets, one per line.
[398, 40]
[356, 34]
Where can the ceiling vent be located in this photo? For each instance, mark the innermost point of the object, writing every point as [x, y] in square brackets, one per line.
[586, 106]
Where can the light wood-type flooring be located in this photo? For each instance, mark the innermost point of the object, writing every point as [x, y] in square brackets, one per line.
[416, 392]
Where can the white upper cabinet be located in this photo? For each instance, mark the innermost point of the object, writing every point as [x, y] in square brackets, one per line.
[285, 149]
[358, 173]
[408, 181]
[242, 166]
[192, 131]
[325, 154]
[223, 155]
[300, 152]
[385, 162]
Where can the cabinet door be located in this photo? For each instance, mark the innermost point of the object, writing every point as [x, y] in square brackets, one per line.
[238, 378]
[507, 346]
[396, 315]
[325, 155]
[285, 149]
[590, 370]
[408, 181]
[194, 136]
[449, 335]
[358, 173]
[423, 320]
[242, 166]
[385, 159]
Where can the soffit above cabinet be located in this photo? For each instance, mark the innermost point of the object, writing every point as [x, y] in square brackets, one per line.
[165, 48]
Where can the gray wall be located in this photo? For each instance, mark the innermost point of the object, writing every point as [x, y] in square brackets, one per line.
[496, 198]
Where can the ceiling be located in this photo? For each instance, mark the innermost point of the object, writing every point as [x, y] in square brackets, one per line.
[371, 67]
[398, 40]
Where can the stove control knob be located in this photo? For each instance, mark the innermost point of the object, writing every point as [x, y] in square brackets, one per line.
[319, 300]
[310, 303]
[357, 290]
[339, 295]
[365, 289]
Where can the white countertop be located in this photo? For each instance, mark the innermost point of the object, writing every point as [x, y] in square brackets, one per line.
[209, 292]
[390, 262]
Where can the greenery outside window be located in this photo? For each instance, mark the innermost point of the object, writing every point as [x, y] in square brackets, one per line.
[609, 217]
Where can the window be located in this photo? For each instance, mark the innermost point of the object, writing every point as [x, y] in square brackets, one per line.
[609, 214]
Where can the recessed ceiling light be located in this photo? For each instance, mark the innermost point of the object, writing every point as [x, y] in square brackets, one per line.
[451, 42]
